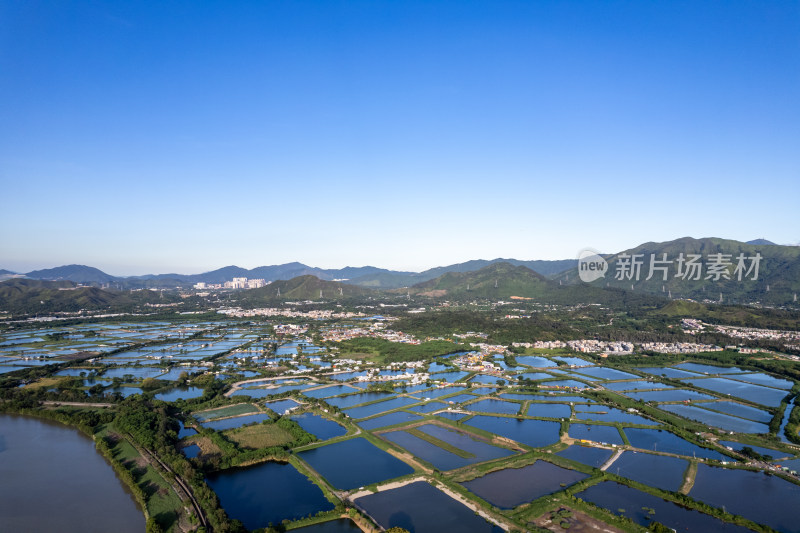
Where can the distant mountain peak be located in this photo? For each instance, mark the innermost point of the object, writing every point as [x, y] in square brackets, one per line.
[76, 273]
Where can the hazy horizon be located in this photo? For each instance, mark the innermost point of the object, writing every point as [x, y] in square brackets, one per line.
[194, 270]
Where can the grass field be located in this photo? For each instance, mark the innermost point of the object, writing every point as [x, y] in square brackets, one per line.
[207, 447]
[48, 382]
[259, 436]
[223, 412]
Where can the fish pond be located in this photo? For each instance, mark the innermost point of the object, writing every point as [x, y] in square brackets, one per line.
[354, 463]
[380, 407]
[634, 385]
[428, 407]
[436, 393]
[587, 455]
[760, 497]
[511, 487]
[536, 362]
[549, 410]
[495, 406]
[607, 434]
[320, 427]
[737, 409]
[343, 402]
[191, 451]
[658, 471]
[179, 393]
[723, 421]
[644, 508]
[137, 372]
[327, 392]
[670, 395]
[663, 441]
[266, 494]
[611, 414]
[398, 417]
[426, 442]
[746, 391]
[281, 406]
[534, 433]
[421, 508]
[667, 372]
[709, 369]
[604, 373]
[183, 431]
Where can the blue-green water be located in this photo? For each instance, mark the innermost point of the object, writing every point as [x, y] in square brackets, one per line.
[535, 433]
[511, 487]
[636, 505]
[354, 463]
[589, 456]
[420, 508]
[764, 499]
[658, 471]
[320, 427]
[267, 493]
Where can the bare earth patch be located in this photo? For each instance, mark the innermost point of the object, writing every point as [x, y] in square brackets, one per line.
[434, 293]
[575, 521]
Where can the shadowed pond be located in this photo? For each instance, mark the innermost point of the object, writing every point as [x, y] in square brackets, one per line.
[658, 471]
[762, 498]
[267, 493]
[645, 508]
[664, 441]
[511, 487]
[354, 463]
[421, 508]
[608, 434]
[586, 455]
[472, 450]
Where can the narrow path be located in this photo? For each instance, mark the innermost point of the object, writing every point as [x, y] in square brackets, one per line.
[236, 386]
[611, 460]
[150, 457]
[688, 482]
[78, 404]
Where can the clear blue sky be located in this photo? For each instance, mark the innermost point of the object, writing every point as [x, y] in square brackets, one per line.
[144, 137]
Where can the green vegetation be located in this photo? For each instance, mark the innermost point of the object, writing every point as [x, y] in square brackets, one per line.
[266, 435]
[224, 412]
[387, 351]
[139, 434]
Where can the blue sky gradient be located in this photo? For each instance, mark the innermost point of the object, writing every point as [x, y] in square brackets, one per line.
[160, 137]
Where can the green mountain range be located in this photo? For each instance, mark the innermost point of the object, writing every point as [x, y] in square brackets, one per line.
[301, 288]
[775, 285]
[504, 281]
[778, 277]
[367, 276]
[27, 296]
